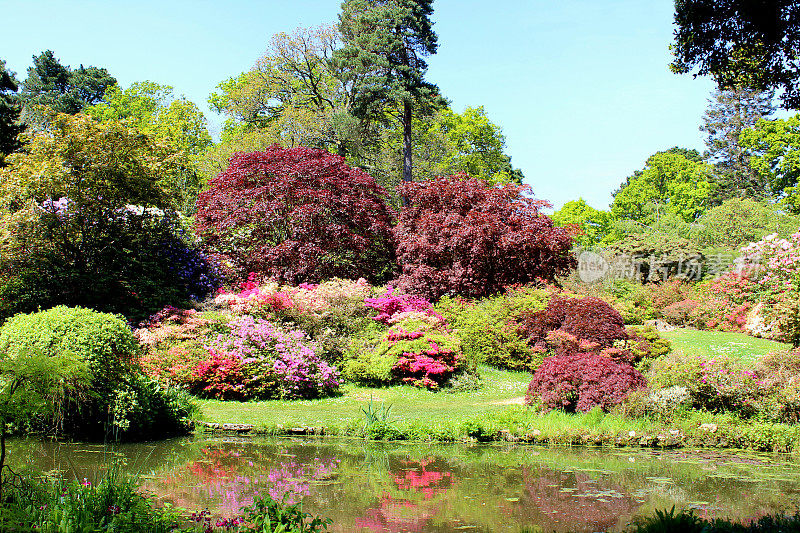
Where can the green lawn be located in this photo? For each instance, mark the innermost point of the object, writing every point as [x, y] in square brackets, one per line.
[498, 399]
[710, 343]
[500, 389]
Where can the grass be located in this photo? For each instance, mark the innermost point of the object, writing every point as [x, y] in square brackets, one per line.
[500, 389]
[495, 411]
[710, 343]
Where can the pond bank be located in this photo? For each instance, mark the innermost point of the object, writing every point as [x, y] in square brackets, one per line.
[520, 425]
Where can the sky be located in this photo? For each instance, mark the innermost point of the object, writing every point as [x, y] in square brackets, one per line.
[581, 88]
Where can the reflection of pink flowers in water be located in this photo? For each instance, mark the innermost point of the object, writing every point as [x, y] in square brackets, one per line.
[402, 514]
[217, 474]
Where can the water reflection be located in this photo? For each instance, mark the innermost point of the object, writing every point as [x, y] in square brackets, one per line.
[422, 488]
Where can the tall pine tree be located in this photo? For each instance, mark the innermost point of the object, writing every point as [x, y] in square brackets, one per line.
[729, 113]
[385, 43]
[51, 84]
[10, 110]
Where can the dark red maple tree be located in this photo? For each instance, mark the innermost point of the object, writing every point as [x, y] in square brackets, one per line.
[460, 235]
[298, 215]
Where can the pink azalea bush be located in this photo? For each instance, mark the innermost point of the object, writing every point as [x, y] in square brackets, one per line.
[231, 357]
[393, 308]
[260, 360]
[774, 263]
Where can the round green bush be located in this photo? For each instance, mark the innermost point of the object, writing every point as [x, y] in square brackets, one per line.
[103, 341]
[121, 403]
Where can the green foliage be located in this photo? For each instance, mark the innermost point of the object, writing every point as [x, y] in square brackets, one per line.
[385, 44]
[10, 109]
[143, 409]
[670, 183]
[60, 88]
[739, 44]
[488, 330]
[175, 122]
[774, 146]
[668, 521]
[114, 503]
[730, 113]
[739, 221]
[75, 189]
[595, 225]
[268, 515]
[646, 344]
[118, 401]
[104, 342]
[370, 359]
[658, 257]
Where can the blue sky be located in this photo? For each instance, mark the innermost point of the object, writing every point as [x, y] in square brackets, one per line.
[581, 88]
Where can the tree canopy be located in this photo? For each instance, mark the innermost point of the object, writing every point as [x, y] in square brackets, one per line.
[729, 114]
[10, 110]
[175, 122]
[752, 43]
[594, 225]
[386, 43]
[61, 88]
[774, 147]
[670, 183]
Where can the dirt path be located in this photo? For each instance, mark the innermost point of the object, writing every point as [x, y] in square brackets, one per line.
[519, 400]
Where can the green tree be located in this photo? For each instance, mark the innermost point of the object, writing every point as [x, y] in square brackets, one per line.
[728, 115]
[10, 110]
[62, 89]
[739, 221]
[296, 95]
[445, 143]
[774, 147]
[175, 122]
[595, 225]
[670, 183]
[385, 43]
[740, 42]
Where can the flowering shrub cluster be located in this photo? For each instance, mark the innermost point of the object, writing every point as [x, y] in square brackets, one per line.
[582, 381]
[770, 390]
[488, 328]
[721, 303]
[233, 357]
[411, 351]
[774, 263]
[590, 320]
[259, 360]
[392, 308]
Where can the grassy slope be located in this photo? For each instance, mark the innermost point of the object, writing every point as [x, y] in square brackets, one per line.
[499, 390]
[711, 343]
[500, 395]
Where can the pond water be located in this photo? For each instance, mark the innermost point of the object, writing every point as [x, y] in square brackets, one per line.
[439, 488]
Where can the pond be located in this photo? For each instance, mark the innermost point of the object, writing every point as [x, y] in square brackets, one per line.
[366, 486]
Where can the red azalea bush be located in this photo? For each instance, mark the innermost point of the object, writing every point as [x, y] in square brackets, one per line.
[460, 235]
[296, 215]
[582, 381]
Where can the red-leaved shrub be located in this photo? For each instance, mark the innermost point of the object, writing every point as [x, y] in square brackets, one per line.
[589, 320]
[296, 215]
[581, 381]
[463, 236]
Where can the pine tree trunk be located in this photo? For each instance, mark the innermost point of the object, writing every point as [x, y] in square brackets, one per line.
[407, 141]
